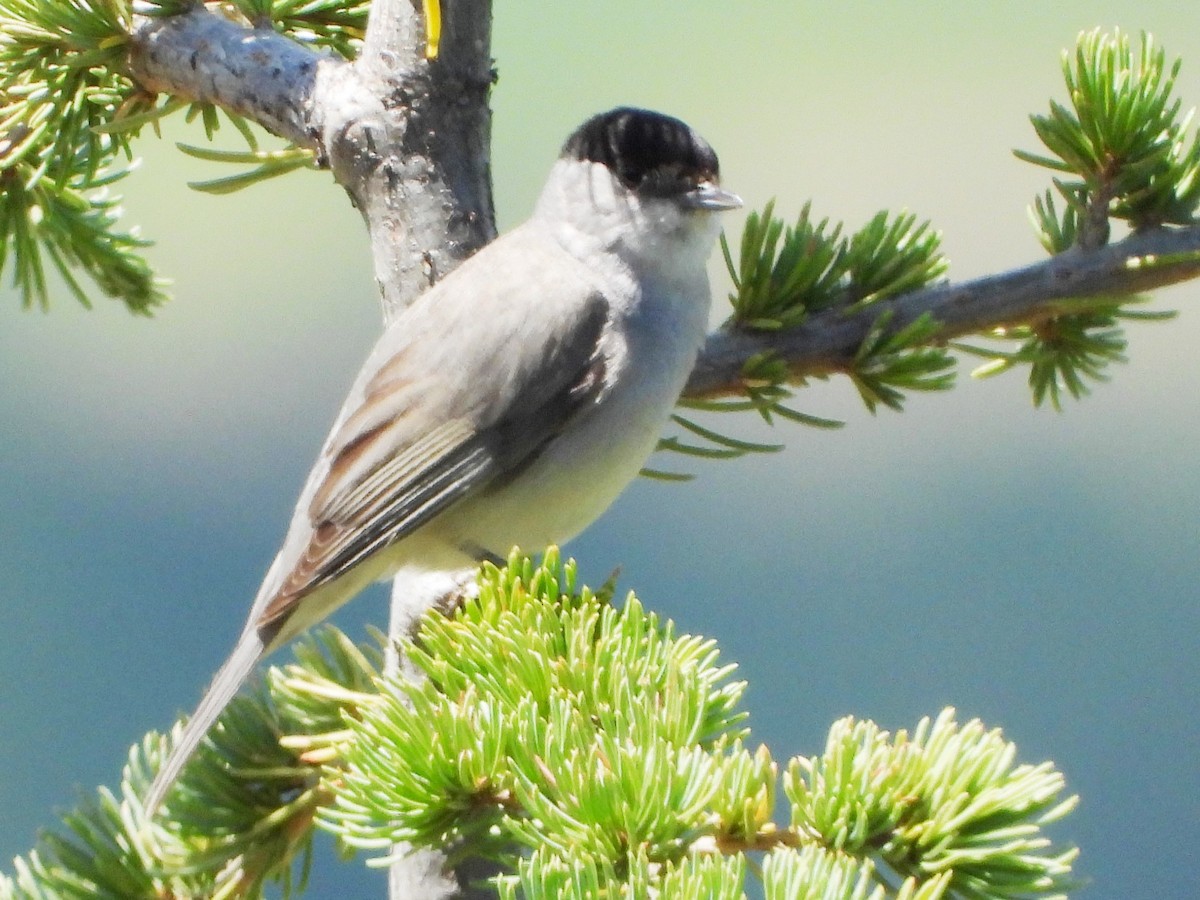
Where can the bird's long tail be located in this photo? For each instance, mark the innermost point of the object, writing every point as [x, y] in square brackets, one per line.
[229, 679]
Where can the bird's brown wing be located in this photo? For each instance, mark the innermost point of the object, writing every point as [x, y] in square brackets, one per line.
[390, 470]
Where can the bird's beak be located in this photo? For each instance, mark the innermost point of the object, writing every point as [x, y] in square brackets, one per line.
[713, 197]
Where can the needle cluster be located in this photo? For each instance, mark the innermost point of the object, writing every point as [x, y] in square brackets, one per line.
[1124, 151]
[591, 750]
[69, 111]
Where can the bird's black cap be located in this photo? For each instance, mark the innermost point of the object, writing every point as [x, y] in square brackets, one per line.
[647, 151]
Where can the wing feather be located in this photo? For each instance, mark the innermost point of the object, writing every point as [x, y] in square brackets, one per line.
[386, 475]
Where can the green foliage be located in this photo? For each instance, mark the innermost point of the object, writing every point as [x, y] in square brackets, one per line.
[1123, 142]
[68, 115]
[885, 258]
[1125, 146]
[105, 852]
[948, 799]
[241, 815]
[592, 751]
[549, 876]
[605, 757]
[598, 728]
[766, 392]
[336, 25]
[706, 443]
[73, 224]
[267, 164]
[1056, 233]
[785, 273]
[776, 284]
[61, 68]
[1064, 352]
[889, 362]
[815, 873]
[1124, 151]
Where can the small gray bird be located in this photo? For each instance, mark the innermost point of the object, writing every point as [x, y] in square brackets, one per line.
[512, 402]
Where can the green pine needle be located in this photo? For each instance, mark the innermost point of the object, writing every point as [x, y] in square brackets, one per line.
[242, 813]
[949, 799]
[888, 363]
[268, 164]
[815, 873]
[889, 258]
[1067, 353]
[1123, 139]
[600, 733]
[61, 77]
[588, 749]
[1124, 150]
[783, 271]
[68, 114]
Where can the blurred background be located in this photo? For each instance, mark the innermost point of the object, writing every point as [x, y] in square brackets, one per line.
[1034, 569]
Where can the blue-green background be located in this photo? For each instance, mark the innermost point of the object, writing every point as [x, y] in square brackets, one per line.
[1033, 569]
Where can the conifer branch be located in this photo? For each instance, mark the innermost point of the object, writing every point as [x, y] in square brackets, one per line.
[206, 57]
[827, 342]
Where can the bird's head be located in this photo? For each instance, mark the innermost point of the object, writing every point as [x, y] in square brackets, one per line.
[641, 184]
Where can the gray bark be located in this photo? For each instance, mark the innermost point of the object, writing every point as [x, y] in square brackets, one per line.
[409, 139]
